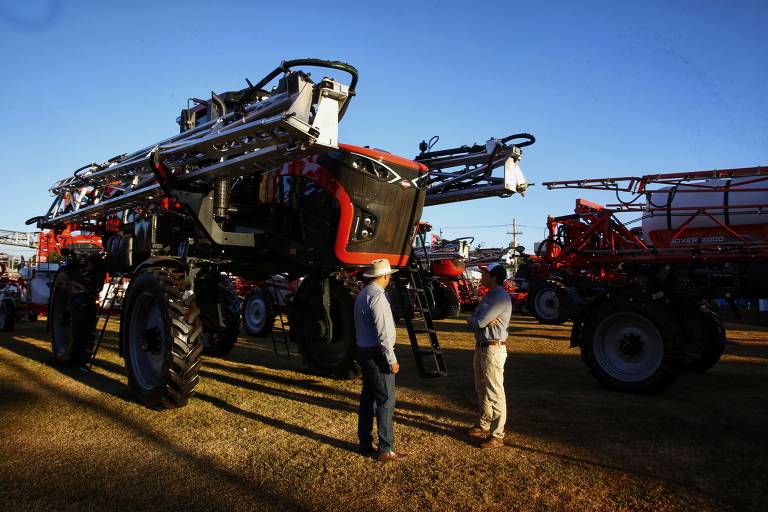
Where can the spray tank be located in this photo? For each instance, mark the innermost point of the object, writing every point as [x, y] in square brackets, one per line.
[710, 212]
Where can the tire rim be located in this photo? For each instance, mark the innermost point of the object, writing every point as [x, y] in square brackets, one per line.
[547, 304]
[148, 341]
[62, 322]
[255, 314]
[628, 347]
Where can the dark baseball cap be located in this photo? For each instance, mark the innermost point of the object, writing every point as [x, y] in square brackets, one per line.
[497, 270]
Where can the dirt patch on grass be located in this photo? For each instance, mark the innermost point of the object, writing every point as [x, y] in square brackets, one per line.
[262, 434]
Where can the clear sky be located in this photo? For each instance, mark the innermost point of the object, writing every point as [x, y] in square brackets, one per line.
[608, 88]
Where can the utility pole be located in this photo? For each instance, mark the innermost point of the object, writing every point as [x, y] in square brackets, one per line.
[514, 233]
[513, 260]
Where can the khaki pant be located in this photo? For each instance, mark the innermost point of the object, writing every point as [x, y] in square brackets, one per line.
[489, 386]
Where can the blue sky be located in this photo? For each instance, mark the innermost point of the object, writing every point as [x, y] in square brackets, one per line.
[608, 88]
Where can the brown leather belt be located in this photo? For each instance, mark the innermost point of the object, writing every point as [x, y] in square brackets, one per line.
[490, 343]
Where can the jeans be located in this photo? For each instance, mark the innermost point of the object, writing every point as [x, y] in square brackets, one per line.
[489, 386]
[376, 399]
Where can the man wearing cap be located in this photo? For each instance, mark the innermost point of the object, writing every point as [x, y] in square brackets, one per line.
[375, 332]
[489, 321]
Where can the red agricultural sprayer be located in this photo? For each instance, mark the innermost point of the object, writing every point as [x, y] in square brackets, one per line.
[638, 296]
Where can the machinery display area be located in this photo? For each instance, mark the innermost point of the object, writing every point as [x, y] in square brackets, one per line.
[638, 297]
[255, 184]
[401, 257]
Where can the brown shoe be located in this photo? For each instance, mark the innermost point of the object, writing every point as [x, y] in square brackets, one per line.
[492, 442]
[390, 457]
[476, 431]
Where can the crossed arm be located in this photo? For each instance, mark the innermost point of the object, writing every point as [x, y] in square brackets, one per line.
[490, 317]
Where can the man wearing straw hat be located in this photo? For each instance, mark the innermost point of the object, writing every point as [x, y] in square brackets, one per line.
[375, 332]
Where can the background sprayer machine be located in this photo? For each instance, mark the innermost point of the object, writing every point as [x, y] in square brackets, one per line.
[255, 184]
[640, 297]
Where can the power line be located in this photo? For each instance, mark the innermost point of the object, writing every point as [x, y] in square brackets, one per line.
[493, 226]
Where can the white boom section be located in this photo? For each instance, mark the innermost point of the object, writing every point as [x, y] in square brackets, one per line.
[263, 135]
[18, 239]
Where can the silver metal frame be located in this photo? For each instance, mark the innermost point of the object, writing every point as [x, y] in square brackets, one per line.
[468, 174]
[267, 133]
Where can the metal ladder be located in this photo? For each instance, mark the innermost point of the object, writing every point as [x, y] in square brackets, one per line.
[280, 335]
[412, 294]
[98, 334]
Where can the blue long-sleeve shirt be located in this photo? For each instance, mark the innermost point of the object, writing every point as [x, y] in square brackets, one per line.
[495, 304]
[374, 323]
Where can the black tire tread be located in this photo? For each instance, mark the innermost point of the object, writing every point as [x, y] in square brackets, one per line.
[183, 359]
[347, 367]
[706, 329]
[83, 291]
[7, 314]
[446, 301]
[223, 339]
[667, 324]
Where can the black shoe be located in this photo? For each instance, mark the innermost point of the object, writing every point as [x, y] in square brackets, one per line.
[367, 449]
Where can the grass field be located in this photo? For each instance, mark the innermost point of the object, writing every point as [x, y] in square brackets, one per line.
[261, 434]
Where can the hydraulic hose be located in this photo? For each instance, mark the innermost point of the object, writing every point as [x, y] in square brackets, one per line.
[286, 65]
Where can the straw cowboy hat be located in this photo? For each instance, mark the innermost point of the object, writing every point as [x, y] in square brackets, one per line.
[379, 268]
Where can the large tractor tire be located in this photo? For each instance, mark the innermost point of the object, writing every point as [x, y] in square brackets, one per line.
[706, 338]
[72, 313]
[7, 314]
[446, 301]
[547, 302]
[309, 329]
[626, 344]
[161, 338]
[220, 312]
[258, 313]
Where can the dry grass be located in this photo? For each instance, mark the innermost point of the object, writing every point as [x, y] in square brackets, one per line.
[262, 434]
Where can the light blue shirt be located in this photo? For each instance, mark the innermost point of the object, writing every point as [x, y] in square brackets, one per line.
[495, 304]
[374, 323]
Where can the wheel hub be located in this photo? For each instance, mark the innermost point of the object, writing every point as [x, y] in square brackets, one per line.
[627, 346]
[547, 304]
[150, 340]
[256, 313]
